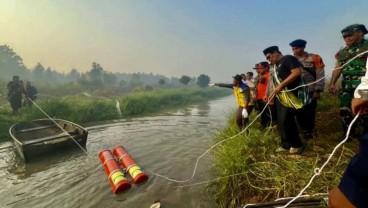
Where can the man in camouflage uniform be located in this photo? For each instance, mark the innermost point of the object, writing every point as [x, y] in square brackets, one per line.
[352, 71]
[312, 70]
[15, 91]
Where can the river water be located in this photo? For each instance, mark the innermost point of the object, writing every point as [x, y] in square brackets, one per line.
[167, 143]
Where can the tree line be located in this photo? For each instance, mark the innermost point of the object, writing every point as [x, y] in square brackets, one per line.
[97, 77]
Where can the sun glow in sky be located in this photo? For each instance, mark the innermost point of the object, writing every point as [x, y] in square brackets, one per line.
[172, 37]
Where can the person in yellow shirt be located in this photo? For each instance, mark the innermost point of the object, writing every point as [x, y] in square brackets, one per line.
[242, 97]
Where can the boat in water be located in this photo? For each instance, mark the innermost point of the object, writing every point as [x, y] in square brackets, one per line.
[45, 137]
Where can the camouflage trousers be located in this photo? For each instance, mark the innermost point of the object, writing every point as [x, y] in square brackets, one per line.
[360, 127]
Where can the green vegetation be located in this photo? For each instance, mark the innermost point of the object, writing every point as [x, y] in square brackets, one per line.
[64, 95]
[81, 109]
[250, 171]
[96, 78]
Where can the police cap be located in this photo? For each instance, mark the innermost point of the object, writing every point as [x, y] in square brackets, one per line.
[298, 43]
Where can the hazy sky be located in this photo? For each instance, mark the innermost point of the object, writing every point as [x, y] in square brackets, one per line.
[172, 37]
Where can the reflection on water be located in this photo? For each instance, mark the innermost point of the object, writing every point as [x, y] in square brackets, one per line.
[203, 109]
[167, 143]
[22, 170]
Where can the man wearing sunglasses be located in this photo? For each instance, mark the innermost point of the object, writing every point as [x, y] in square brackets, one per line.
[352, 69]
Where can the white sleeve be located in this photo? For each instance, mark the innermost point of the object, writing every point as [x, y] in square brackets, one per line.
[363, 84]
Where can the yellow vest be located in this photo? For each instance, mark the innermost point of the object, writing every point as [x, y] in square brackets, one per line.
[239, 96]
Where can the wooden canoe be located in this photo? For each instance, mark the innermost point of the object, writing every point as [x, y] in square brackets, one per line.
[43, 137]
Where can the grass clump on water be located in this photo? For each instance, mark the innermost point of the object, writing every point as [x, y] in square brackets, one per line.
[250, 171]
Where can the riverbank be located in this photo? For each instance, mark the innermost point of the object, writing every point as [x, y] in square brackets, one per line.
[82, 109]
[252, 172]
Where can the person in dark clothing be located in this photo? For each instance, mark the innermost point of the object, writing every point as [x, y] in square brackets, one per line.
[287, 76]
[242, 96]
[15, 91]
[31, 94]
[353, 188]
[312, 70]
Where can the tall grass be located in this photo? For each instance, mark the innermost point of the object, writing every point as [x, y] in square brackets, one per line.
[249, 170]
[152, 101]
[79, 110]
[90, 109]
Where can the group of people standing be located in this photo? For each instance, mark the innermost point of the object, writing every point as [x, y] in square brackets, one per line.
[16, 90]
[278, 74]
[290, 87]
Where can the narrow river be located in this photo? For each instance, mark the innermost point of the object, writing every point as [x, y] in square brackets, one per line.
[167, 143]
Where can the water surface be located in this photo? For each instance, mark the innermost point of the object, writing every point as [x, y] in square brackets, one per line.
[167, 143]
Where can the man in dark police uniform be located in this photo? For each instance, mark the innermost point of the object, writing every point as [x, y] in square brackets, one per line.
[313, 70]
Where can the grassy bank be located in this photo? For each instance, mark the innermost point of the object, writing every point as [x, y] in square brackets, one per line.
[255, 173]
[82, 109]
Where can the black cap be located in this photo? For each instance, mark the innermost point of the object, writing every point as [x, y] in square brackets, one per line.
[352, 28]
[270, 49]
[298, 43]
[263, 63]
[238, 77]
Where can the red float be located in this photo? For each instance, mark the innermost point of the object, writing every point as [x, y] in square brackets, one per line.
[134, 171]
[115, 175]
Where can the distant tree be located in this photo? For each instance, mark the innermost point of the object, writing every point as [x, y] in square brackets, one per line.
[110, 79]
[184, 79]
[83, 80]
[49, 76]
[122, 83]
[148, 88]
[95, 75]
[135, 80]
[38, 73]
[161, 81]
[11, 64]
[203, 80]
[73, 75]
